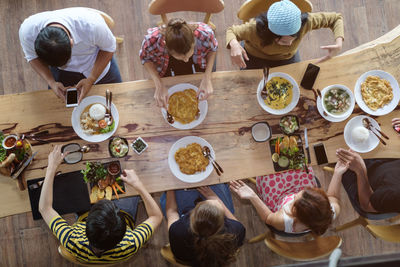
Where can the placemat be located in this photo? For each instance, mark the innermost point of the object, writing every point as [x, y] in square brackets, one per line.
[70, 194]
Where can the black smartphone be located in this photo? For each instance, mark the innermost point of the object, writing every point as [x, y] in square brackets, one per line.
[310, 76]
[72, 97]
[320, 154]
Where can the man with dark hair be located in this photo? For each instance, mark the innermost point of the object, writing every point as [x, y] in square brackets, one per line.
[70, 47]
[108, 234]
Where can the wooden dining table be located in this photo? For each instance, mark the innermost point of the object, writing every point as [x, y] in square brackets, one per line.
[232, 110]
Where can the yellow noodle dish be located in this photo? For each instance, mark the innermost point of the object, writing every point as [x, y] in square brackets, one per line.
[279, 93]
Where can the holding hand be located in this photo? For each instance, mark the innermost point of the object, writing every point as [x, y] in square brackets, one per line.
[161, 94]
[56, 157]
[83, 87]
[58, 89]
[352, 159]
[238, 53]
[206, 88]
[242, 189]
[130, 177]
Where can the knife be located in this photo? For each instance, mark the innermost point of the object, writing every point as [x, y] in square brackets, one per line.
[26, 163]
[307, 147]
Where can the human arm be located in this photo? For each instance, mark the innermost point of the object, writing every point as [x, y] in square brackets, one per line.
[357, 165]
[171, 208]
[152, 209]
[46, 196]
[44, 71]
[334, 187]
[84, 85]
[206, 88]
[234, 35]
[161, 93]
[209, 194]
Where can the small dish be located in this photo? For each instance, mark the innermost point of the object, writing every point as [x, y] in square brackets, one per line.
[339, 88]
[261, 131]
[139, 145]
[118, 147]
[10, 141]
[289, 124]
[114, 168]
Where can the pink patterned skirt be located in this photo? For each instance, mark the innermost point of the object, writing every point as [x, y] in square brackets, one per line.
[273, 188]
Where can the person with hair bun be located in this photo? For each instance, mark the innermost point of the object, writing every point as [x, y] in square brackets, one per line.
[202, 228]
[291, 202]
[272, 39]
[179, 48]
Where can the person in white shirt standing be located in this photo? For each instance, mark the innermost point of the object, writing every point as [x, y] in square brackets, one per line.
[70, 47]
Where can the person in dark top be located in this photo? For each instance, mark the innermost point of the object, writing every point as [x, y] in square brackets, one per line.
[206, 233]
[373, 185]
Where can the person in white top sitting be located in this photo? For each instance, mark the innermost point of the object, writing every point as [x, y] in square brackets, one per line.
[309, 209]
[70, 47]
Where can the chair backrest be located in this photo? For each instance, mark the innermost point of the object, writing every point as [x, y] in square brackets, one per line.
[252, 8]
[304, 251]
[162, 7]
[390, 233]
[169, 256]
[109, 21]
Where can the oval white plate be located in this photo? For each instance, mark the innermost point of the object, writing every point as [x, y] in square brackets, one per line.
[372, 141]
[295, 98]
[385, 109]
[76, 122]
[183, 142]
[203, 107]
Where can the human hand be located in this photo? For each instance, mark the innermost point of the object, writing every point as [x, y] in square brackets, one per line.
[341, 167]
[58, 89]
[206, 88]
[55, 157]
[83, 87]
[161, 94]
[333, 50]
[130, 177]
[208, 193]
[242, 189]
[395, 121]
[238, 53]
[352, 159]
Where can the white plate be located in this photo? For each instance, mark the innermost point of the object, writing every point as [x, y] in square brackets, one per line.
[385, 109]
[203, 107]
[295, 98]
[372, 141]
[327, 116]
[76, 122]
[183, 142]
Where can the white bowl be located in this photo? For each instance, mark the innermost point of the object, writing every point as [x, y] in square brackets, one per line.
[348, 91]
[364, 147]
[76, 121]
[295, 98]
[193, 178]
[203, 107]
[385, 109]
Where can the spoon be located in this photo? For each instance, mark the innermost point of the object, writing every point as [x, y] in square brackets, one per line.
[368, 122]
[368, 126]
[205, 154]
[264, 92]
[170, 119]
[108, 107]
[208, 152]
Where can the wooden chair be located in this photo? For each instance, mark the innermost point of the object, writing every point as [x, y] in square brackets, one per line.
[162, 7]
[169, 256]
[252, 8]
[109, 21]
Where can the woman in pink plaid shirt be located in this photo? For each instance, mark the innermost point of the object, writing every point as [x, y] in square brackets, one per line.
[179, 48]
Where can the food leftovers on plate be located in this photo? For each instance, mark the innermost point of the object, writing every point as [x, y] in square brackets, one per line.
[139, 145]
[13, 152]
[287, 153]
[118, 147]
[93, 120]
[190, 159]
[337, 101]
[183, 106]
[279, 93]
[289, 124]
[376, 92]
[103, 180]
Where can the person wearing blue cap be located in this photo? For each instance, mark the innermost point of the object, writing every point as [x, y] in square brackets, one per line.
[273, 37]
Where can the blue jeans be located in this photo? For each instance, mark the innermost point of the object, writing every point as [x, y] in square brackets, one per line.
[186, 200]
[70, 78]
[128, 204]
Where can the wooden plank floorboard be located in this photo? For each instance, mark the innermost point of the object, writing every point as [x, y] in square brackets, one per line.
[24, 242]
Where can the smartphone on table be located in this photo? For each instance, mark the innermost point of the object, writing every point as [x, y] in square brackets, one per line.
[320, 153]
[71, 97]
[310, 76]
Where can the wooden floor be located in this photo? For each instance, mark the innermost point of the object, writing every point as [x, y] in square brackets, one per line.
[24, 242]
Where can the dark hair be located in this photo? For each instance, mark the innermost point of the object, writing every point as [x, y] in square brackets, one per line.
[212, 246]
[53, 46]
[179, 36]
[267, 37]
[105, 225]
[313, 210]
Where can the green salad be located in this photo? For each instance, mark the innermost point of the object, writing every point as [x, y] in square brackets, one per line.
[3, 153]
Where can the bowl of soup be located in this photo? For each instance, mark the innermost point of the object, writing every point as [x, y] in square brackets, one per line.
[337, 100]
